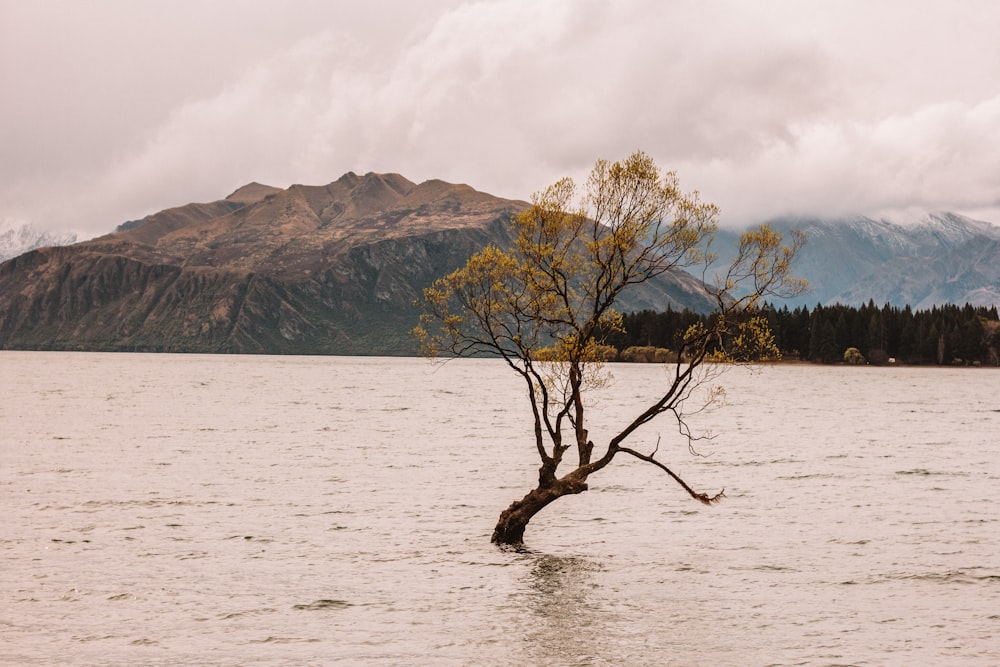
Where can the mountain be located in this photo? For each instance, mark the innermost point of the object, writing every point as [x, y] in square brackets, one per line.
[17, 240]
[331, 269]
[934, 259]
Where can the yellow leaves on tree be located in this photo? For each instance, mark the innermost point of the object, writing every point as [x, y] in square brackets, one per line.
[544, 304]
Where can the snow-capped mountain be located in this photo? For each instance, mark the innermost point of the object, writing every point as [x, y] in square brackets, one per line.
[922, 261]
[17, 239]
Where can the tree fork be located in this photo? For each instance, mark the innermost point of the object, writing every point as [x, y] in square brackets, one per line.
[513, 520]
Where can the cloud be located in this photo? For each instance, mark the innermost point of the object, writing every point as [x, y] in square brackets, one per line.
[939, 157]
[785, 107]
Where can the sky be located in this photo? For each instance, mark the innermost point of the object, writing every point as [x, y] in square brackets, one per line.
[114, 109]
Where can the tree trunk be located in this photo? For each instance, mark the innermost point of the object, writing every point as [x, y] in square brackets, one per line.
[514, 519]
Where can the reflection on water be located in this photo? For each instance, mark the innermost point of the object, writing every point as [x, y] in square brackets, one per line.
[566, 620]
[185, 509]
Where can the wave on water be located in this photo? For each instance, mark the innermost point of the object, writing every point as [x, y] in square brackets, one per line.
[947, 577]
[321, 605]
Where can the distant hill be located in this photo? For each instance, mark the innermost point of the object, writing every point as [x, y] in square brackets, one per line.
[331, 269]
[335, 269]
[935, 259]
[18, 239]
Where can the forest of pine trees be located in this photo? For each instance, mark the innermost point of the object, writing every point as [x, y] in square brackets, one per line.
[943, 335]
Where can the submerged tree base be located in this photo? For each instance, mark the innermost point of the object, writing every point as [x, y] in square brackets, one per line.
[513, 520]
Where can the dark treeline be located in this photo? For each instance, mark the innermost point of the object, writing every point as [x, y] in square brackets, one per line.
[943, 335]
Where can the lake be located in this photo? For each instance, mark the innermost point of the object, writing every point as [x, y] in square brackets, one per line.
[244, 510]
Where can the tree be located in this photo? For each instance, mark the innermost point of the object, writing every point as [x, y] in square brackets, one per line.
[853, 356]
[545, 304]
[822, 337]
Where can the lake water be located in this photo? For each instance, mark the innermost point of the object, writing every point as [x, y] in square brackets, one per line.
[240, 510]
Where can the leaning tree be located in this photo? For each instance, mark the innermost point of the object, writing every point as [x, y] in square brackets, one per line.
[544, 305]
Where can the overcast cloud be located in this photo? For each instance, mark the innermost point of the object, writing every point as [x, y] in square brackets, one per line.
[113, 109]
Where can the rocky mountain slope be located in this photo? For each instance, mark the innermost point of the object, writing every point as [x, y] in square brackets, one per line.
[329, 269]
[934, 259]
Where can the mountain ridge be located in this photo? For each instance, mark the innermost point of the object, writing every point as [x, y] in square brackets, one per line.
[934, 259]
[332, 269]
[337, 269]
[17, 239]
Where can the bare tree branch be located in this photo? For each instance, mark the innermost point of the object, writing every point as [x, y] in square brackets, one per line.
[703, 498]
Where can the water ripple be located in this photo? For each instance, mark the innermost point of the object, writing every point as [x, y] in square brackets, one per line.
[188, 509]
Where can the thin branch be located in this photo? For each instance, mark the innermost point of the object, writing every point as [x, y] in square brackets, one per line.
[703, 498]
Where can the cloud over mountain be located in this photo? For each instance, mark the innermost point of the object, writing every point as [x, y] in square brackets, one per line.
[124, 109]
